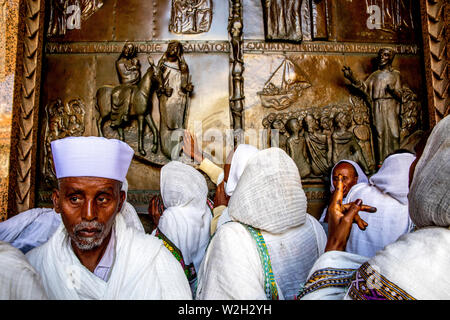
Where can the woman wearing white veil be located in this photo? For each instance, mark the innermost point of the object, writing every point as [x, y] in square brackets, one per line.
[267, 249]
[413, 267]
[185, 223]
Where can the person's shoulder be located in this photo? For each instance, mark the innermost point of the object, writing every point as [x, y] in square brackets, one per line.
[229, 235]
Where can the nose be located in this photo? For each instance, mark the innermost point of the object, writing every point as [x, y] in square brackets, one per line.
[89, 211]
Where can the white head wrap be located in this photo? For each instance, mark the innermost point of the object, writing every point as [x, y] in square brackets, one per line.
[429, 196]
[361, 175]
[393, 176]
[129, 212]
[387, 190]
[187, 219]
[269, 195]
[91, 157]
[240, 158]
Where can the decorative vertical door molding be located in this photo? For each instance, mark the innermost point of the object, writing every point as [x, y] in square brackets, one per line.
[24, 132]
[434, 14]
[235, 29]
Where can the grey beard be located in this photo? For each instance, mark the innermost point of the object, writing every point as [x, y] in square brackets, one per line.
[84, 243]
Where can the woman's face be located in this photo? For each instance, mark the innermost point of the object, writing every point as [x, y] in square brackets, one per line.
[349, 176]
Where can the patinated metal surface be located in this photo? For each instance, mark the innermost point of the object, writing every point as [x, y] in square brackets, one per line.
[247, 71]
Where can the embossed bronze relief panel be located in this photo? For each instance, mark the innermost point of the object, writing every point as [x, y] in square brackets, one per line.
[143, 70]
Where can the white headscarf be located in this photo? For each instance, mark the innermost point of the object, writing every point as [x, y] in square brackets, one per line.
[361, 175]
[362, 178]
[238, 162]
[187, 218]
[429, 195]
[270, 197]
[393, 177]
[129, 212]
[387, 190]
[240, 158]
[417, 263]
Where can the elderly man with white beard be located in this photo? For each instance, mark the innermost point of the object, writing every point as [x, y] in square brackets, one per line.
[94, 254]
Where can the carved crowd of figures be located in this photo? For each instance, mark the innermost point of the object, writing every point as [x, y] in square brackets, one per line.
[62, 120]
[317, 138]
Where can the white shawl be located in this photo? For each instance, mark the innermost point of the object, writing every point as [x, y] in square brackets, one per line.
[186, 221]
[269, 197]
[143, 269]
[387, 191]
[238, 162]
[18, 279]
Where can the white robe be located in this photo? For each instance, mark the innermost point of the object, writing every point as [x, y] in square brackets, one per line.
[387, 190]
[18, 279]
[232, 267]
[143, 269]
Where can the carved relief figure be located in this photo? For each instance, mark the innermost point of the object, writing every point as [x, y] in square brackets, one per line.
[379, 89]
[326, 123]
[296, 147]
[317, 146]
[345, 145]
[61, 121]
[174, 95]
[89, 7]
[361, 130]
[410, 113]
[392, 16]
[68, 14]
[282, 19]
[129, 71]
[58, 16]
[130, 100]
[190, 16]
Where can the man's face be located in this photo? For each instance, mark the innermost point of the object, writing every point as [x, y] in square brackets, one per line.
[311, 123]
[88, 206]
[385, 57]
[349, 176]
[172, 50]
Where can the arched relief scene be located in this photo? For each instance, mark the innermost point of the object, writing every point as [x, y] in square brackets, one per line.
[311, 77]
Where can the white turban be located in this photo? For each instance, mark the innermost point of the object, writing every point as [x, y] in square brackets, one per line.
[91, 157]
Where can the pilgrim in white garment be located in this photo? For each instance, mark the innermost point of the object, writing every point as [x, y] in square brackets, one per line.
[268, 248]
[94, 254]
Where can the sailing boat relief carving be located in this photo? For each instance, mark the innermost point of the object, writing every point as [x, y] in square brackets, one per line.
[284, 86]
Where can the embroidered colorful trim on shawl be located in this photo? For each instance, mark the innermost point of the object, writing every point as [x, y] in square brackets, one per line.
[189, 270]
[371, 285]
[328, 277]
[270, 285]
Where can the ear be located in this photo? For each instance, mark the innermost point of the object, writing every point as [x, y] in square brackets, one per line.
[122, 199]
[55, 200]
